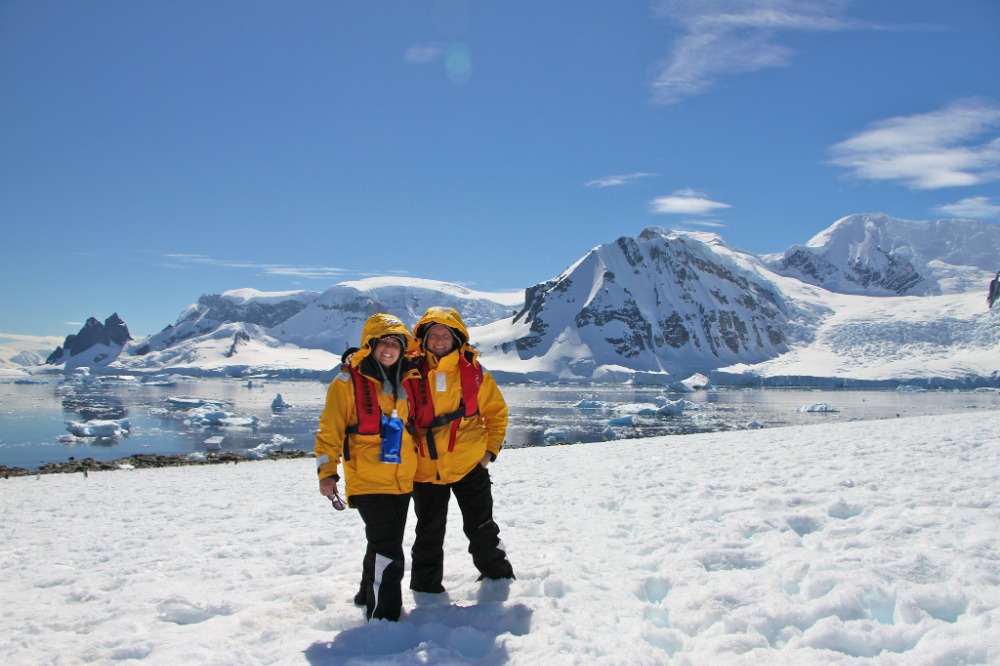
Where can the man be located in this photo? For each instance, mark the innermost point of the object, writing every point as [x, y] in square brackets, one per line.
[455, 449]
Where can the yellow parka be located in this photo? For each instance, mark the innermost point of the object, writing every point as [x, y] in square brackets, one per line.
[364, 474]
[476, 435]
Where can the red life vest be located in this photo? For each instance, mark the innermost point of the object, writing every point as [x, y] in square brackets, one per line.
[370, 413]
[422, 408]
[418, 397]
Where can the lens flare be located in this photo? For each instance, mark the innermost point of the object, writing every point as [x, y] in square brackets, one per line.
[458, 63]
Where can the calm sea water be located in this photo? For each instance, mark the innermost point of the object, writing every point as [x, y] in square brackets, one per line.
[33, 417]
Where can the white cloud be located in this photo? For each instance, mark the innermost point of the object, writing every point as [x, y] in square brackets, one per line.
[686, 202]
[420, 55]
[19, 337]
[726, 37]
[614, 181]
[311, 272]
[955, 146]
[710, 224]
[976, 208]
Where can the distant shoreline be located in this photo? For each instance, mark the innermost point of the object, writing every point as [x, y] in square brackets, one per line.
[145, 461]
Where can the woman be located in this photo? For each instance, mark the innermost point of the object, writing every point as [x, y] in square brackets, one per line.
[364, 403]
[466, 434]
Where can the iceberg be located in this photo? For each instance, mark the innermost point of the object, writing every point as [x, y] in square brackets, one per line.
[213, 443]
[818, 408]
[279, 404]
[112, 429]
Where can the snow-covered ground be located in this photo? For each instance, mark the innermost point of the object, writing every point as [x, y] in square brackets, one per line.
[863, 542]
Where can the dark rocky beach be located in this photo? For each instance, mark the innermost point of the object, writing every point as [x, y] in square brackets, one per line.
[144, 461]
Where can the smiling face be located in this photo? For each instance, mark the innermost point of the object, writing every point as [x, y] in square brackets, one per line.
[440, 340]
[388, 351]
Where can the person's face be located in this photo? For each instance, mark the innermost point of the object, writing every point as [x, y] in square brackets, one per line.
[440, 339]
[388, 351]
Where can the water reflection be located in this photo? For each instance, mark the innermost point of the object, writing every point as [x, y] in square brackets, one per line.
[93, 406]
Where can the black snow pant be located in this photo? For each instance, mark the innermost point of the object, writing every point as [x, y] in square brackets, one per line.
[475, 500]
[385, 524]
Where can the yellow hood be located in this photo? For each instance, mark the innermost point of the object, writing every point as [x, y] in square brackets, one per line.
[448, 317]
[378, 326]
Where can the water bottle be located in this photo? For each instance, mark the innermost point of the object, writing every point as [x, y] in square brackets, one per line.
[392, 439]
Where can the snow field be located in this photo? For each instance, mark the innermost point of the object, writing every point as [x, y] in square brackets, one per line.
[864, 542]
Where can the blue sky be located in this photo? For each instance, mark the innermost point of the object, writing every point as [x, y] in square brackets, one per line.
[154, 151]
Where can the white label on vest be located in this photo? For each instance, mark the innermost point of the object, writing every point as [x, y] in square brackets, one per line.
[442, 382]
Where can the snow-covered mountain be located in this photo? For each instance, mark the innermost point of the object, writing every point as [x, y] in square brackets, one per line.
[665, 302]
[878, 255]
[333, 321]
[297, 332]
[871, 298]
[95, 345]
[18, 351]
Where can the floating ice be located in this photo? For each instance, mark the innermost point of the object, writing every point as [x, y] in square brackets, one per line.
[818, 407]
[279, 404]
[695, 382]
[190, 401]
[673, 407]
[240, 421]
[590, 404]
[266, 448]
[99, 428]
[637, 408]
[213, 443]
[554, 435]
[217, 417]
[209, 416]
[80, 377]
[160, 380]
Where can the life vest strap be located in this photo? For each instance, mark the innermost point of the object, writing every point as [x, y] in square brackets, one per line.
[347, 445]
[445, 419]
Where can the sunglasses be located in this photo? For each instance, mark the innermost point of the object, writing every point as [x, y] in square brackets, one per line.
[337, 503]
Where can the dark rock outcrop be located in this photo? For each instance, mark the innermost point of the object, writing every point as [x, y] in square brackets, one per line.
[113, 332]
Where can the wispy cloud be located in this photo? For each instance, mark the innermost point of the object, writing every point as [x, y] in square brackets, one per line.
[19, 337]
[615, 181]
[976, 208]
[956, 146]
[709, 224]
[727, 37]
[421, 55]
[686, 202]
[284, 270]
